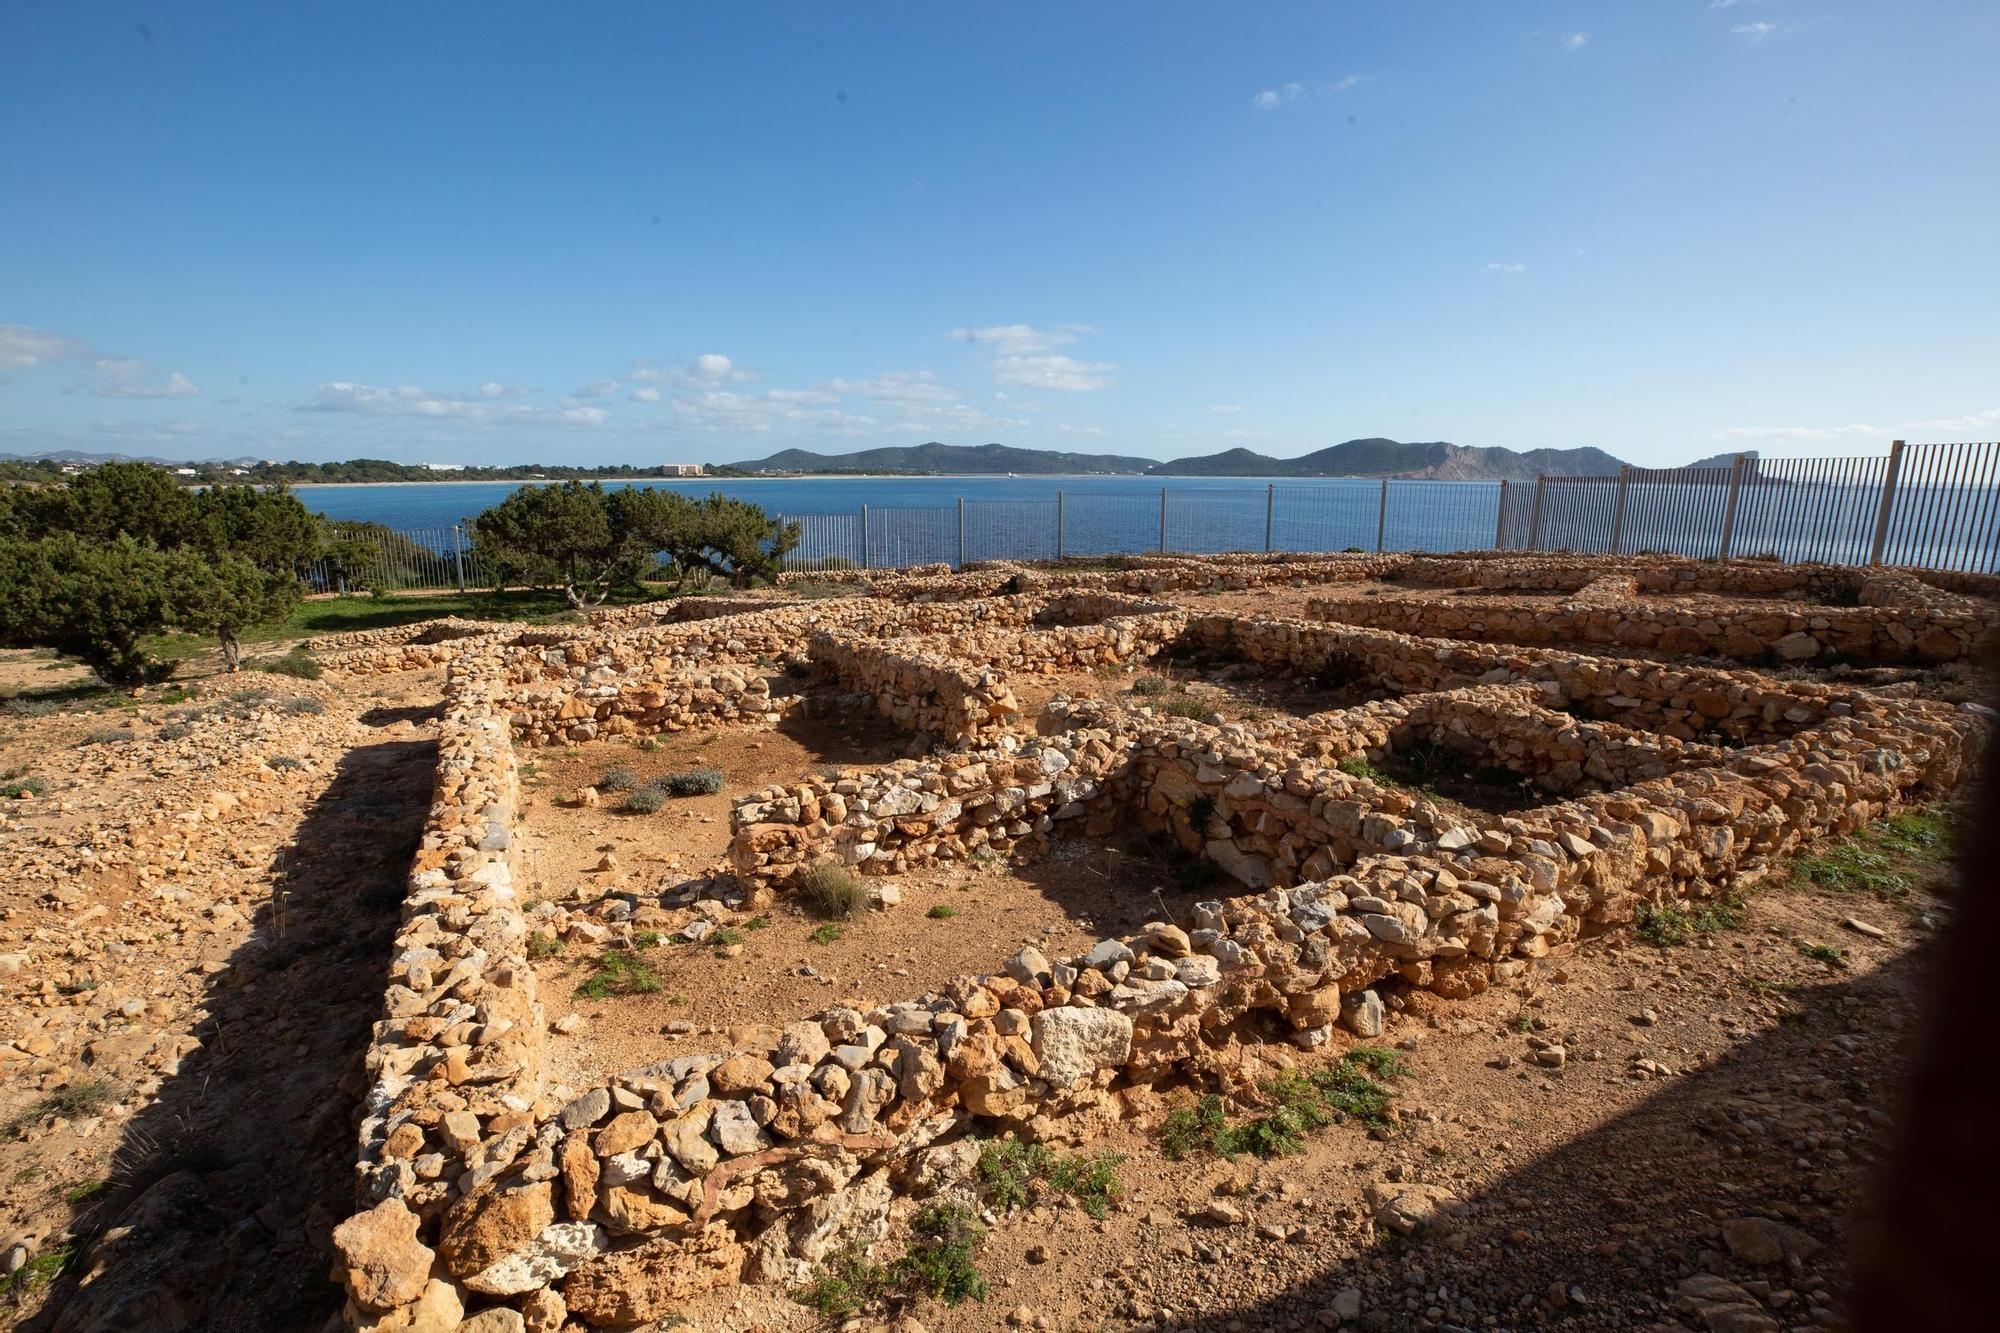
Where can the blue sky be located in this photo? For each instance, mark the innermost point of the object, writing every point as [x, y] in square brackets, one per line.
[594, 233]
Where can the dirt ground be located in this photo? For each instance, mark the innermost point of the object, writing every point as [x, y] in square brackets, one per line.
[201, 903]
[1588, 1190]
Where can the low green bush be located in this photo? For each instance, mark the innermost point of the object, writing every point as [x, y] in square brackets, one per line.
[829, 889]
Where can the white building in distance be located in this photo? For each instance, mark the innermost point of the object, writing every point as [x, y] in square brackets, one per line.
[681, 469]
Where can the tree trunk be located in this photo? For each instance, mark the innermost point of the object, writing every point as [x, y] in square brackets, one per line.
[232, 650]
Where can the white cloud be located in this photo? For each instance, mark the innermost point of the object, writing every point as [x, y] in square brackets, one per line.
[23, 348]
[1052, 371]
[1797, 432]
[710, 369]
[1575, 41]
[408, 400]
[1270, 99]
[727, 410]
[1067, 428]
[900, 386]
[1225, 407]
[597, 389]
[1978, 421]
[1498, 267]
[1755, 32]
[646, 393]
[1025, 357]
[122, 377]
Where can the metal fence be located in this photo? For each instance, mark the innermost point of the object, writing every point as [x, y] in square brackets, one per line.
[1337, 515]
[1933, 506]
[368, 555]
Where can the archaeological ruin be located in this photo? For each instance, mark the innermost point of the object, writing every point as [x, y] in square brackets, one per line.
[1606, 734]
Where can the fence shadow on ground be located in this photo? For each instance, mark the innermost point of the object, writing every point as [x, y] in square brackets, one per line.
[226, 1187]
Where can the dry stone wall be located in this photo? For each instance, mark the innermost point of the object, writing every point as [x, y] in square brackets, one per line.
[1891, 632]
[488, 1196]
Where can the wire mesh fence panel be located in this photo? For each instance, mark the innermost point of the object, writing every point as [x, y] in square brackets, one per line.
[1808, 508]
[1010, 529]
[367, 556]
[1439, 515]
[1945, 513]
[1672, 511]
[1204, 522]
[826, 541]
[897, 538]
[1326, 516]
[1573, 514]
[1516, 518]
[1112, 523]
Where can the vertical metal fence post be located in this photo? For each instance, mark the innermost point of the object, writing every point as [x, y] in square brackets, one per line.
[1059, 526]
[1535, 515]
[864, 536]
[1729, 506]
[1270, 502]
[961, 532]
[1382, 515]
[1618, 515]
[458, 552]
[1163, 520]
[1889, 475]
[1500, 521]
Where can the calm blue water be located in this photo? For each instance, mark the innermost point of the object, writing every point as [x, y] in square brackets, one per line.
[914, 520]
[436, 506]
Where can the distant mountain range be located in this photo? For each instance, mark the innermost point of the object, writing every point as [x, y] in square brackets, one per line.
[947, 460]
[1355, 458]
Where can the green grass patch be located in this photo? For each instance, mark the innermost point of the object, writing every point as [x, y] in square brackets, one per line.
[1668, 924]
[619, 973]
[542, 945]
[724, 938]
[826, 934]
[41, 1269]
[82, 1194]
[942, 912]
[940, 1263]
[1825, 953]
[78, 1099]
[1013, 1172]
[1352, 1089]
[829, 889]
[297, 663]
[24, 787]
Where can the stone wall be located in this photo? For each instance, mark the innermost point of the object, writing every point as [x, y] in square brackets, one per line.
[626, 1198]
[1892, 632]
[926, 693]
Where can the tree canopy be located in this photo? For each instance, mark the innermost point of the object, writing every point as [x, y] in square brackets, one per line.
[588, 541]
[93, 567]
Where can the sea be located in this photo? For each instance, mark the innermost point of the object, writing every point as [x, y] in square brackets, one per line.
[917, 517]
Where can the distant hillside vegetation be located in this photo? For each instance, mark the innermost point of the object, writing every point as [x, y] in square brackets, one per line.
[945, 460]
[1437, 461]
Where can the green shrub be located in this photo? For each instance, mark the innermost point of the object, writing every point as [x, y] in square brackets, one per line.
[830, 890]
[542, 945]
[285, 763]
[693, 782]
[619, 973]
[296, 663]
[618, 779]
[1299, 1103]
[1011, 1171]
[724, 938]
[173, 731]
[304, 706]
[647, 800]
[826, 934]
[70, 1103]
[106, 736]
[942, 912]
[24, 787]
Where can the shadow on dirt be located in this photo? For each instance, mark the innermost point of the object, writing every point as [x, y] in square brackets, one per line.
[225, 1189]
[1618, 1216]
